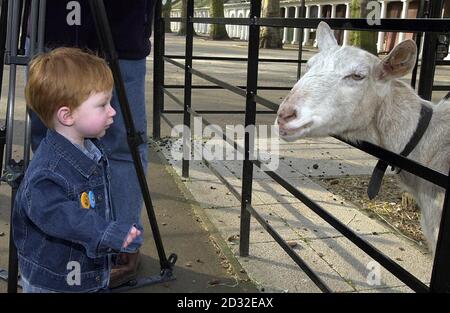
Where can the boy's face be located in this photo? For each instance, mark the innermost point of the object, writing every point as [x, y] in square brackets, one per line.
[94, 115]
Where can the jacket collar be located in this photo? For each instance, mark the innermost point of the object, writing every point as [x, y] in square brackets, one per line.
[72, 154]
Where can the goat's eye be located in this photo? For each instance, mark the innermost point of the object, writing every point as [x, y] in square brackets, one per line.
[356, 76]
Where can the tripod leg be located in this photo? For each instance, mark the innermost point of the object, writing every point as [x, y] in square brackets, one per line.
[13, 268]
[107, 46]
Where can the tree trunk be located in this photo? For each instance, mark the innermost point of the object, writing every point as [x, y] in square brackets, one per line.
[217, 31]
[368, 39]
[270, 37]
[364, 39]
[166, 15]
[182, 30]
[447, 9]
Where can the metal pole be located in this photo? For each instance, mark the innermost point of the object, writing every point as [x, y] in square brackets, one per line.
[23, 36]
[187, 144]
[134, 139]
[41, 25]
[428, 66]
[421, 13]
[3, 27]
[300, 42]
[34, 25]
[440, 277]
[11, 50]
[250, 118]
[14, 14]
[158, 70]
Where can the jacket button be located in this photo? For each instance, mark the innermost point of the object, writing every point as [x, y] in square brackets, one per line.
[97, 278]
[95, 172]
[100, 198]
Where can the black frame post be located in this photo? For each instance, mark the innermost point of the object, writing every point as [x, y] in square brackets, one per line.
[187, 144]
[300, 41]
[3, 26]
[421, 13]
[440, 277]
[428, 65]
[250, 118]
[158, 70]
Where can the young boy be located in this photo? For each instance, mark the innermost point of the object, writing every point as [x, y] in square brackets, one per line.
[63, 220]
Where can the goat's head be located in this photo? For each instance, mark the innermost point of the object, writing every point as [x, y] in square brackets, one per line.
[340, 88]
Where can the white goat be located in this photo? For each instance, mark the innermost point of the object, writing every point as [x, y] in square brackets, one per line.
[349, 92]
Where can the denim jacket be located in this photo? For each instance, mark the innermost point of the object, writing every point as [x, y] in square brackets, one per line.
[62, 229]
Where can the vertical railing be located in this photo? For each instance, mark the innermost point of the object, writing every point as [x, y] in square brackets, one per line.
[250, 117]
[422, 12]
[300, 41]
[428, 65]
[158, 70]
[440, 277]
[188, 88]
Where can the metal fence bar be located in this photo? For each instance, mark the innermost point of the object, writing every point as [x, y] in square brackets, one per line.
[187, 89]
[441, 88]
[175, 57]
[300, 41]
[250, 118]
[216, 112]
[440, 277]
[219, 87]
[428, 65]
[158, 73]
[233, 21]
[411, 25]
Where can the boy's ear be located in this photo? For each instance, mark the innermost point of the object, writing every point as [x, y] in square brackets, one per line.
[64, 116]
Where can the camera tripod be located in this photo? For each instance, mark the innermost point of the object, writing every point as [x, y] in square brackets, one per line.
[13, 18]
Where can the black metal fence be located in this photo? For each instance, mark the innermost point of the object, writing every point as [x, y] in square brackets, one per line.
[431, 27]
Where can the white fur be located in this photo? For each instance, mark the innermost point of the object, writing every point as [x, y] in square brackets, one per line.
[351, 93]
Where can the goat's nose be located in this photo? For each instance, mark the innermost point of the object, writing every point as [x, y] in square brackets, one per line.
[285, 116]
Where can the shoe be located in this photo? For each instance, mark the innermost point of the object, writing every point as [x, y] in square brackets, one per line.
[125, 270]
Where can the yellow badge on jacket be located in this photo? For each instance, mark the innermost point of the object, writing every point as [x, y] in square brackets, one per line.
[85, 203]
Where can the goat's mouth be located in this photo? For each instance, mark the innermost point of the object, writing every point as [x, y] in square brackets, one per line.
[300, 129]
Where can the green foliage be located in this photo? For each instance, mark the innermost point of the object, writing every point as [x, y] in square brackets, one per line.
[363, 39]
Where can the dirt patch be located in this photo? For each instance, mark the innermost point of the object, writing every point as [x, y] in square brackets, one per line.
[387, 205]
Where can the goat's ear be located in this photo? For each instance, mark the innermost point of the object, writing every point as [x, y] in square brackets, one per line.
[325, 37]
[399, 62]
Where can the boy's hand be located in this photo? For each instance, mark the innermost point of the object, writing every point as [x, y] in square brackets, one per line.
[133, 234]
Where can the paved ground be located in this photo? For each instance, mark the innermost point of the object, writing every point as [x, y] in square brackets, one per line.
[199, 217]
